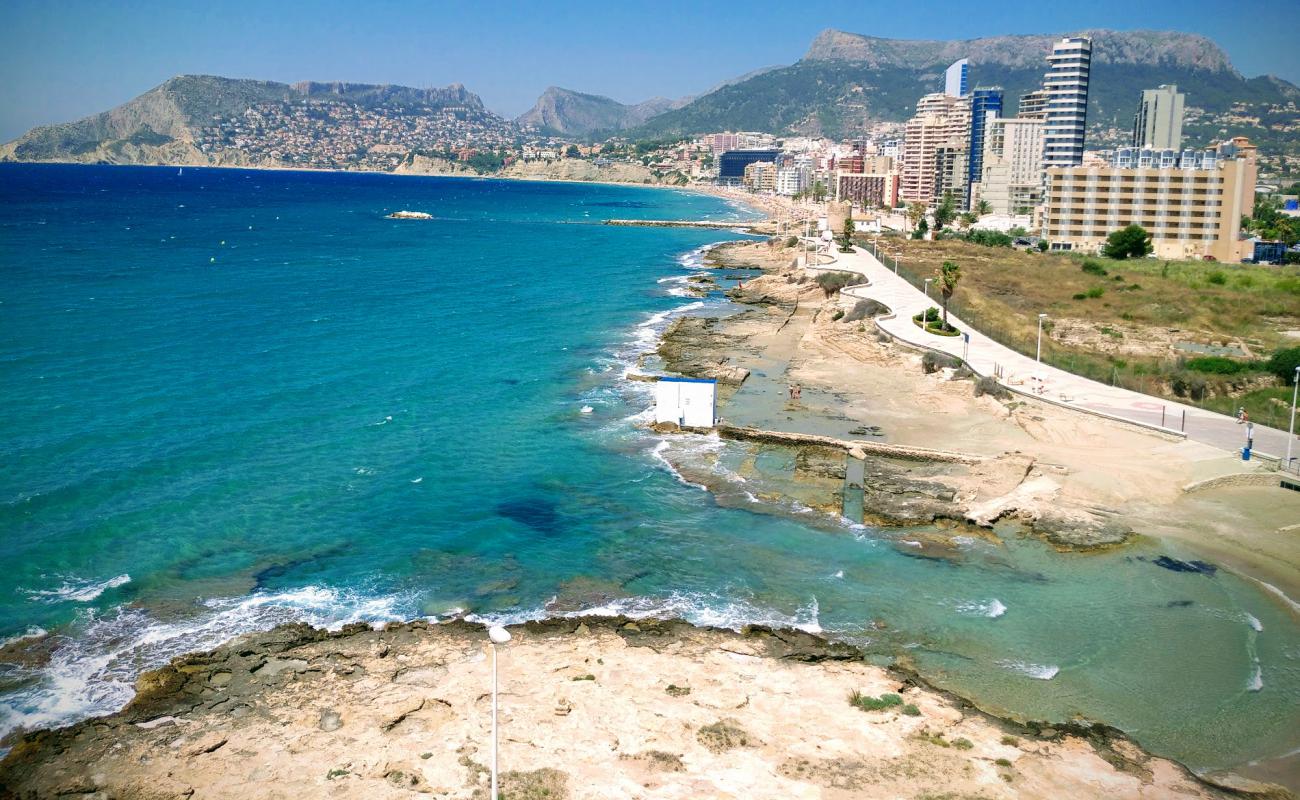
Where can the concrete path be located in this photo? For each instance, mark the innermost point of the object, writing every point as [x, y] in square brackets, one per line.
[1022, 374]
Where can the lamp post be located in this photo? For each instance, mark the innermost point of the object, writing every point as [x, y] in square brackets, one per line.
[498, 635]
[927, 289]
[1290, 431]
[1038, 357]
[897, 258]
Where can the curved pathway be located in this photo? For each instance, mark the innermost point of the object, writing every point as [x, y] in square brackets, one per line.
[1022, 374]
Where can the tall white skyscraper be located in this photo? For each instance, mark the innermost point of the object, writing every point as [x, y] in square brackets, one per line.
[1158, 123]
[1066, 115]
[956, 79]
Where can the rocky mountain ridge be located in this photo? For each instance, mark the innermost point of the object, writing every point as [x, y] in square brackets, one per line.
[564, 111]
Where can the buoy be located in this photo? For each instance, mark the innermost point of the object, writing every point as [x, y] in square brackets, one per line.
[587, 409]
[212, 260]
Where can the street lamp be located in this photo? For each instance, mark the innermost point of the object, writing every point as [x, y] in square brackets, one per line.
[927, 289]
[1290, 432]
[1038, 357]
[498, 635]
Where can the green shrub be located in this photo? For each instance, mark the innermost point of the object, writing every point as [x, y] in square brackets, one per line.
[989, 386]
[910, 710]
[793, 241]
[989, 238]
[962, 743]
[1010, 741]
[864, 309]
[1003, 762]
[1217, 278]
[839, 314]
[1093, 267]
[1079, 296]
[1283, 364]
[832, 282]
[1095, 292]
[931, 314]
[1218, 365]
[868, 703]
[934, 361]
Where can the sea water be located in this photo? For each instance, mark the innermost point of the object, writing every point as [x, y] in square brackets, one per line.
[231, 399]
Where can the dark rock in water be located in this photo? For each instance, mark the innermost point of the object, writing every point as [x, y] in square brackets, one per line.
[1071, 534]
[1178, 604]
[538, 514]
[867, 430]
[510, 381]
[1175, 565]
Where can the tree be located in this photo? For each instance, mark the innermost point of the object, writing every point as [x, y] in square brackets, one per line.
[916, 214]
[1131, 241]
[819, 192]
[846, 246]
[573, 152]
[921, 229]
[1283, 364]
[945, 212]
[949, 274]
[983, 207]
[966, 220]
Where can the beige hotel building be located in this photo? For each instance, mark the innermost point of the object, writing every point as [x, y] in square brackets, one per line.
[1190, 211]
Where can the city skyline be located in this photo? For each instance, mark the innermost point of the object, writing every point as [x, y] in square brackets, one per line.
[68, 62]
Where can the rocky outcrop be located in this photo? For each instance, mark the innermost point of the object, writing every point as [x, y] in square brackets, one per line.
[573, 169]
[565, 111]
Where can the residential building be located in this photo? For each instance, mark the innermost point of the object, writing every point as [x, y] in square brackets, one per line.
[955, 78]
[731, 164]
[720, 143]
[1011, 176]
[878, 165]
[1033, 105]
[951, 168]
[940, 121]
[985, 104]
[1066, 85]
[792, 180]
[760, 176]
[1158, 123]
[1190, 211]
[867, 190]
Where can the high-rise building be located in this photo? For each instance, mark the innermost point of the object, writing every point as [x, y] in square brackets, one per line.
[985, 104]
[760, 176]
[955, 78]
[1066, 85]
[1033, 105]
[1011, 175]
[868, 190]
[792, 180]
[941, 121]
[1158, 123]
[731, 164]
[951, 172]
[1190, 211]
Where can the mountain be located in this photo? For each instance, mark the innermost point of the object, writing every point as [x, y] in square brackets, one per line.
[845, 81]
[570, 113]
[194, 119]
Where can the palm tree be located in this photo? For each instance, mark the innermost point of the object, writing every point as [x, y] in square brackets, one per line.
[945, 212]
[983, 207]
[949, 274]
[966, 220]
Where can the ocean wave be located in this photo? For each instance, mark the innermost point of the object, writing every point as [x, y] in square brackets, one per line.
[1042, 672]
[1254, 623]
[992, 609]
[1256, 681]
[34, 632]
[93, 670]
[658, 452]
[698, 608]
[78, 590]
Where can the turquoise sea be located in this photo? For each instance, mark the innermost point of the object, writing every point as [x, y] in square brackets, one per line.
[230, 399]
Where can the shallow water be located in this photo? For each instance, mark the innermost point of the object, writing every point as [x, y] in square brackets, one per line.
[234, 398]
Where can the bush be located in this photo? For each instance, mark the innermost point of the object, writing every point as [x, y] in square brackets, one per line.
[1283, 364]
[832, 282]
[1079, 296]
[989, 238]
[1217, 278]
[910, 710]
[989, 386]
[793, 241]
[1093, 267]
[941, 329]
[934, 361]
[1129, 242]
[864, 309]
[931, 314]
[1094, 292]
[839, 314]
[1218, 365]
[869, 703]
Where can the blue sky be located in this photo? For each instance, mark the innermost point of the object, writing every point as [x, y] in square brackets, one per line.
[63, 60]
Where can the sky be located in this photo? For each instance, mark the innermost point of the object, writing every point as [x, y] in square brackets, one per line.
[65, 59]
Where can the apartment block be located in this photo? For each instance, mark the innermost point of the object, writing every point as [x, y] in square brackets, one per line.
[1066, 114]
[1011, 176]
[1158, 123]
[940, 121]
[1190, 211]
[867, 190]
[760, 176]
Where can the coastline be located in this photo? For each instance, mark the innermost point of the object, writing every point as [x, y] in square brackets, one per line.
[590, 707]
[763, 288]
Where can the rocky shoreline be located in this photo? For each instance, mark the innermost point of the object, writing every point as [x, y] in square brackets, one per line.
[590, 707]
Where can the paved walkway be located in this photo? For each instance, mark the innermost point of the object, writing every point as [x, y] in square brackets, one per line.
[1022, 374]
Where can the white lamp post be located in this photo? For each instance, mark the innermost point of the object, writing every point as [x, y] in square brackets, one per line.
[897, 258]
[1038, 357]
[927, 289]
[498, 635]
[1290, 431]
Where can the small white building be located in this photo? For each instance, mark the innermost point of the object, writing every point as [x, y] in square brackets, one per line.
[688, 402]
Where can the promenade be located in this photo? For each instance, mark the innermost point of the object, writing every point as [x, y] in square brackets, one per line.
[1023, 374]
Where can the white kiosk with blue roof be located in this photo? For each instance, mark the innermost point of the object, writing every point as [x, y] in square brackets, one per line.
[687, 402]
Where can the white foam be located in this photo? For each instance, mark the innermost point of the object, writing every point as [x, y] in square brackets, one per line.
[1042, 672]
[587, 409]
[658, 452]
[839, 573]
[1256, 678]
[1254, 623]
[418, 480]
[94, 669]
[79, 591]
[33, 632]
[992, 609]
